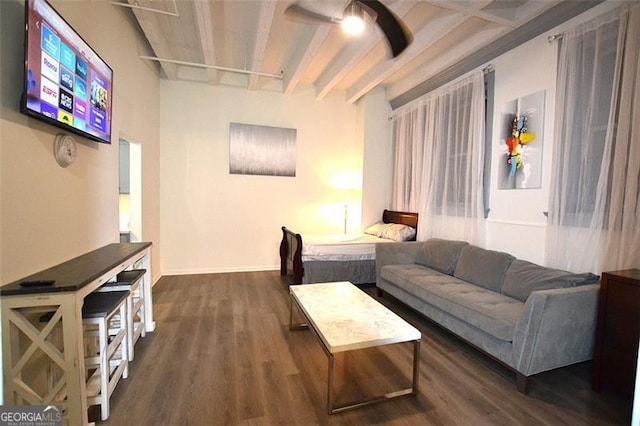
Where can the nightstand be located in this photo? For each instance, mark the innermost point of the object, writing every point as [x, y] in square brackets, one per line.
[616, 348]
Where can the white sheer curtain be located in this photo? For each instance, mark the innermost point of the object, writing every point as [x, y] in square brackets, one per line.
[438, 161]
[594, 206]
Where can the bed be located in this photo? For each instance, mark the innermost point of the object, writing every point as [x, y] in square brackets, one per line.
[326, 258]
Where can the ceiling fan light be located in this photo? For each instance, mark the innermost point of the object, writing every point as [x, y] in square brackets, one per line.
[353, 20]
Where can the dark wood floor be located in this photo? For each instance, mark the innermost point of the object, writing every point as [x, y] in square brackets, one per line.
[222, 354]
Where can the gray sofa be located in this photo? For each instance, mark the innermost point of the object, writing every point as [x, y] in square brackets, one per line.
[529, 317]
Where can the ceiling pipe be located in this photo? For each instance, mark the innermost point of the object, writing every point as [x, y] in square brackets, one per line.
[148, 9]
[215, 67]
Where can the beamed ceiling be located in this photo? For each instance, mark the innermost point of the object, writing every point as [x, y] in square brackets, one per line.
[214, 41]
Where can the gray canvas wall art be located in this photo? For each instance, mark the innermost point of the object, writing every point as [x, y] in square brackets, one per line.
[262, 150]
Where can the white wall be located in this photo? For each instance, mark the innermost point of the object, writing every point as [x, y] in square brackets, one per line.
[51, 214]
[375, 128]
[213, 221]
[516, 223]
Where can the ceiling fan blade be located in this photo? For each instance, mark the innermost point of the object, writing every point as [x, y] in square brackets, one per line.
[296, 11]
[398, 36]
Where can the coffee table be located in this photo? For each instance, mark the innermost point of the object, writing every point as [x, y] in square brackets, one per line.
[345, 318]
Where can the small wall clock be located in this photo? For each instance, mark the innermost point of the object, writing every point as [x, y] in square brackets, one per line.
[64, 149]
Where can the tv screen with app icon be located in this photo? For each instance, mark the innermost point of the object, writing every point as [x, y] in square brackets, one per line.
[66, 83]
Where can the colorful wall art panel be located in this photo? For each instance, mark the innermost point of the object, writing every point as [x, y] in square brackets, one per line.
[521, 143]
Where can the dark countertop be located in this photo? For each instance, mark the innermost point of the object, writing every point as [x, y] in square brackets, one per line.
[77, 272]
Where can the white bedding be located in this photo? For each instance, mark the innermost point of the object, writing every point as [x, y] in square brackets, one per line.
[340, 246]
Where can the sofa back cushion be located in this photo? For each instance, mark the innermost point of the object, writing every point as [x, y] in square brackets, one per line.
[441, 255]
[524, 277]
[486, 268]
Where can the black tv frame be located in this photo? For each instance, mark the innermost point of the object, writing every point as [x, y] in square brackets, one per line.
[44, 118]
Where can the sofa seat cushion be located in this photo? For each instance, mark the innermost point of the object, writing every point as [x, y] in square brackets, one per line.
[402, 274]
[491, 312]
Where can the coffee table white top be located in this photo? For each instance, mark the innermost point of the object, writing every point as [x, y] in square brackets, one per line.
[346, 318]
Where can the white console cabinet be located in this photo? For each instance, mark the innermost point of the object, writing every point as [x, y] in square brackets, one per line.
[43, 356]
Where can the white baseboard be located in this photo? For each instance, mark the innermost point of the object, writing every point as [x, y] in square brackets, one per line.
[220, 270]
[155, 279]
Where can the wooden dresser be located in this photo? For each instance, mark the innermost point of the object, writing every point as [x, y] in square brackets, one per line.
[616, 349]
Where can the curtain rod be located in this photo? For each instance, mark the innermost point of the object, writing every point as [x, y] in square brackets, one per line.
[555, 37]
[486, 70]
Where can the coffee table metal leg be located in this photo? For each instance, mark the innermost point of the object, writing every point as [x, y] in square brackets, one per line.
[330, 385]
[297, 326]
[412, 391]
[290, 312]
[416, 365]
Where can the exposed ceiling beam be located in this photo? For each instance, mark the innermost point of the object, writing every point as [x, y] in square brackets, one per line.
[293, 74]
[474, 8]
[460, 51]
[545, 21]
[150, 29]
[267, 11]
[451, 56]
[427, 36]
[352, 54]
[203, 15]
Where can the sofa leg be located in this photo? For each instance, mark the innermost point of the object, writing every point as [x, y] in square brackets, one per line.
[379, 292]
[522, 383]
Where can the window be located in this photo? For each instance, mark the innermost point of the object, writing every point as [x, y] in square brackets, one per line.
[595, 183]
[439, 160]
[452, 196]
[587, 102]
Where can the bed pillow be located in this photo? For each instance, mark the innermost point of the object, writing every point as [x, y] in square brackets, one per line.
[398, 232]
[391, 231]
[441, 255]
[525, 277]
[376, 229]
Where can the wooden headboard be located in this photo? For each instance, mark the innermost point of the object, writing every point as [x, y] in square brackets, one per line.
[403, 218]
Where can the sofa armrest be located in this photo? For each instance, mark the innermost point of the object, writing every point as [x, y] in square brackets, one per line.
[402, 253]
[557, 328]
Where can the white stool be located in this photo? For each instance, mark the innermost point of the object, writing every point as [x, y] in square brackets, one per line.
[131, 281]
[106, 352]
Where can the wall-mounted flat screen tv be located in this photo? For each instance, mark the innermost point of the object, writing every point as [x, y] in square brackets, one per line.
[66, 83]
